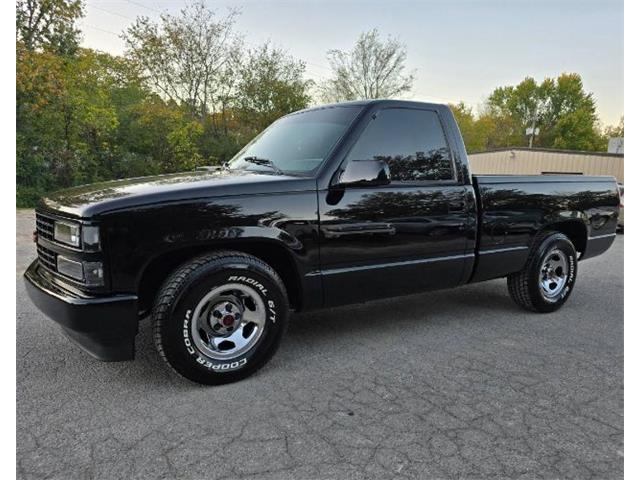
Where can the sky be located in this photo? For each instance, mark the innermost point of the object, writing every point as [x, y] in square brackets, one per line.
[460, 50]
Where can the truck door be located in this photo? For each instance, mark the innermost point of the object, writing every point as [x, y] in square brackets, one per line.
[404, 237]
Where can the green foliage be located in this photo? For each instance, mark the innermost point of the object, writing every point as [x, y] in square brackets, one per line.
[189, 58]
[576, 131]
[472, 134]
[183, 142]
[271, 85]
[186, 94]
[563, 113]
[48, 24]
[183, 96]
[65, 117]
[615, 131]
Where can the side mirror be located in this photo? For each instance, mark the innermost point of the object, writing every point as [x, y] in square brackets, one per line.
[365, 173]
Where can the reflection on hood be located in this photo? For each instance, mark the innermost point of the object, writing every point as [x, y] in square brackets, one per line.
[87, 200]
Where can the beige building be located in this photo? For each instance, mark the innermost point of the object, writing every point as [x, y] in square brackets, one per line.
[540, 161]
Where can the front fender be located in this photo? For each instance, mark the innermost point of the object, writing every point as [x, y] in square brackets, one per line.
[139, 237]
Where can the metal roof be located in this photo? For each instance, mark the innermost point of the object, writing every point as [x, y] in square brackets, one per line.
[551, 150]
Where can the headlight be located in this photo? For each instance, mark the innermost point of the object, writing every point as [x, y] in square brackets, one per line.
[66, 232]
[85, 236]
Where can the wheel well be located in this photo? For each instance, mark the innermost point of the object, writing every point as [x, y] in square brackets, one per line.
[274, 255]
[576, 232]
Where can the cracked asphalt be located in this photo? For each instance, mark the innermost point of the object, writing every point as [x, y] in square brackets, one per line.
[449, 384]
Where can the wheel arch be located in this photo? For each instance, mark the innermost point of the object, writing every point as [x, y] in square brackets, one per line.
[274, 254]
[575, 230]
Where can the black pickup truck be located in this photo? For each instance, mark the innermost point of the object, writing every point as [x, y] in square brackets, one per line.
[328, 206]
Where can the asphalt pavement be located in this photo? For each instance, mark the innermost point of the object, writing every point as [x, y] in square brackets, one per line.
[449, 384]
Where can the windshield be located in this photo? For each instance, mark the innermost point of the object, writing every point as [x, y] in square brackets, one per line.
[296, 143]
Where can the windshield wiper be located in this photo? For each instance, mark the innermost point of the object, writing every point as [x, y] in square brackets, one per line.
[264, 161]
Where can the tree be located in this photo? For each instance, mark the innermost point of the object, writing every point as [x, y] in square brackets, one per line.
[575, 131]
[183, 95]
[48, 24]
[271, 84]
[184, 147]
[615, 131]
[485, 131]
[562, 111]
[516, 107]
[474, 138]
[188, 58]
[372, 69]
[66, 117]
[560, 108]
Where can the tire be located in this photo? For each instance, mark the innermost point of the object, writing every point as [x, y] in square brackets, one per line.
[547, 279]
[220, 317]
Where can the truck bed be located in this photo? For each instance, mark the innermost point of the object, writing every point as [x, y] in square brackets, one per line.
[513, 208]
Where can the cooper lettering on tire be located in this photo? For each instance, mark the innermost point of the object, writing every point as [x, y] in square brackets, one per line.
[220, 317]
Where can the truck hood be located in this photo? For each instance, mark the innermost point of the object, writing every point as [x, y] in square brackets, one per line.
[90, 200]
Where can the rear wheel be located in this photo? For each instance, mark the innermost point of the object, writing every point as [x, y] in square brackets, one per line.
[220, 317]
[548, 278]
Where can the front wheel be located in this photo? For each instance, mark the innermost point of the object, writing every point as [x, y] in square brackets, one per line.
[549, 275]
[220, 317]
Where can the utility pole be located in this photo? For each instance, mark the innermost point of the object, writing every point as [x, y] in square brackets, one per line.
[532, 131]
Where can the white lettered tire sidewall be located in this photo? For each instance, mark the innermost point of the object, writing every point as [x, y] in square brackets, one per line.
[562, 243]
[177, 343]
[524, 286]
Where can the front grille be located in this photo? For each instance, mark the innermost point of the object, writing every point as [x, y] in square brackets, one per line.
[44, 226]
[47, 258]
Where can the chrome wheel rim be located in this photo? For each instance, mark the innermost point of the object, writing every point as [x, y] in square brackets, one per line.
[553, 274]
[228, 321]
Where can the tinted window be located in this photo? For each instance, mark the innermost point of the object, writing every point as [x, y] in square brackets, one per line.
[298, 142]
[412, 142]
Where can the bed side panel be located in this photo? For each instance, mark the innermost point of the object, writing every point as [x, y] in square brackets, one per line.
[513, 209]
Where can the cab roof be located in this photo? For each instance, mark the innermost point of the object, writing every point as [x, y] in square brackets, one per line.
[377, 101]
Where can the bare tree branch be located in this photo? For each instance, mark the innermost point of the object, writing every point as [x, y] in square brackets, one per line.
[372, 69]
[186, 58]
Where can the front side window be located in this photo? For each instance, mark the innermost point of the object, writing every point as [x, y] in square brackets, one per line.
[411, 141]
[298, 142]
